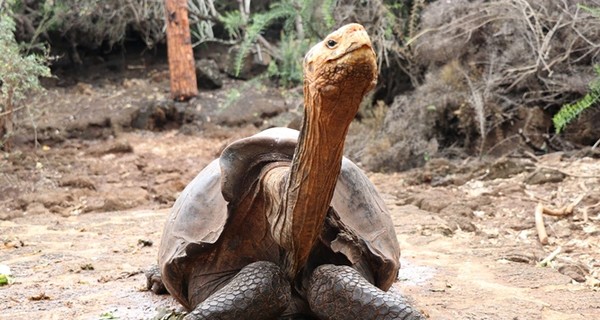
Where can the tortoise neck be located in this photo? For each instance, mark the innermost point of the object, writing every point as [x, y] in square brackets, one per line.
[315, 169]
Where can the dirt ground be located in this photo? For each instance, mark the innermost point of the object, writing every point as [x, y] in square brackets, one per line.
[81, 216]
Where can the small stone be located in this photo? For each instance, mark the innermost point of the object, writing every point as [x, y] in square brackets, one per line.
[208, 75]
[145, 243]
[77, 182]
[87, 266]
[544, 175]
[39, 297]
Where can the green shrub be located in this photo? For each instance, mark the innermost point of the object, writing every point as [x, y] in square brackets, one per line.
[92, 23]
[299, 30]
[19, 75]
[289, 68]
[570, 111]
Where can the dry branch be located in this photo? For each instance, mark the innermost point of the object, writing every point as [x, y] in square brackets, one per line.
[550, 257]
[540, 210]
[566, 210]
[569, 174]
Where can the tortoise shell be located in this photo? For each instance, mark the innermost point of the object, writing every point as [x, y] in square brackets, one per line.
[217, 225]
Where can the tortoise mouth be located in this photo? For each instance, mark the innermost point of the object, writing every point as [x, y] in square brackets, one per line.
[358, 59]
[357, 46]
[356, 52]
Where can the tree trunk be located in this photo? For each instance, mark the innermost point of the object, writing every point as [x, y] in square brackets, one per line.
[181, 58]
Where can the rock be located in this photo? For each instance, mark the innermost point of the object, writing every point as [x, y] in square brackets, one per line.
[574, 271]
[208, 75]
[84, 88]
[543, 175]
[125, 198]
[461, 223]
[505, 168]
[289, 119]
[265, 103]
[217, 51]
[584, 129]
[162, 114]
[457, 209]
[167, 191]
[36, 208]
[117, 146]
[77, 182]
[433, 201]
[48, 199]
[13, 243]
[39, 297]
[132, 83]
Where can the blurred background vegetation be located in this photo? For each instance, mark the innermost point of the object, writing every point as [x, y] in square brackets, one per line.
[457, 77]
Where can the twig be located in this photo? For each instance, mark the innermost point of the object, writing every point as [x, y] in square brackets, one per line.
[5, 113]
[596, 144]
[567, 173]
[540, 210]
[566, 210]
[273, 51]
[586, 209]
[531, 156]
[550, 257]
[539, 224]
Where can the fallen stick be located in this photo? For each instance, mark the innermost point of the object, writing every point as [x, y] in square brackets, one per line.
[550, 257]
[564, 211]
[567, 173]
[539, 223]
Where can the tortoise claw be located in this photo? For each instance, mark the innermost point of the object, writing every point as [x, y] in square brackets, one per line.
[154, 280]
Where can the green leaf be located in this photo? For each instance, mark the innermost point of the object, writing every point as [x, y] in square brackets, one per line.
[4, 279]
[260, 22]
[571, 111]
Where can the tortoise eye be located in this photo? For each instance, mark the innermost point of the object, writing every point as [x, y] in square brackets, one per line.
[331, 43]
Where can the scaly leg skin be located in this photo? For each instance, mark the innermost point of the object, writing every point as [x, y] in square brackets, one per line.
[154, 281]
[259, 291]
[340, 292]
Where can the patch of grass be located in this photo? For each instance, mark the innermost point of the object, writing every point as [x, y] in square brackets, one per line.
[107, 316]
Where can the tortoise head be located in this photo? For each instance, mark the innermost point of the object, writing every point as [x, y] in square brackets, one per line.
[343, 65]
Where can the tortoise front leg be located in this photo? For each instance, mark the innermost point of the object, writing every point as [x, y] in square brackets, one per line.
[259, 291]
[340, 292]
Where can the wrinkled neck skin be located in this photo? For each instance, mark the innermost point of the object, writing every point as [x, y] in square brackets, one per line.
[311, 181]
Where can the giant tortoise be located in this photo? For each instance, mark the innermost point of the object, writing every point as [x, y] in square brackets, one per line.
[282, 225]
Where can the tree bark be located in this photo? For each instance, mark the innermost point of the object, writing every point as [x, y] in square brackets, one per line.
[181, 58]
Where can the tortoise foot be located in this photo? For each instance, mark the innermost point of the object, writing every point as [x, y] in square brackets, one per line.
[154, 280]
[340, 292]
[259, 291]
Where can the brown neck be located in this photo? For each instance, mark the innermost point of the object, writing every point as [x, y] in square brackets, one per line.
[315, 168]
